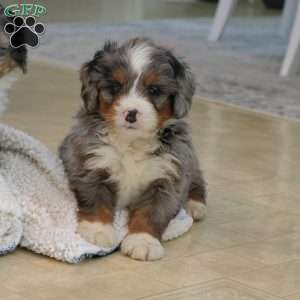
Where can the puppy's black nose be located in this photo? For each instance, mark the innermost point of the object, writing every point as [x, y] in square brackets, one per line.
[131, 116]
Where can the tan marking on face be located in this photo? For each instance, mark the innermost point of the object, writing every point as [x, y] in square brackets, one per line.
[151, 78]
[139, 222]
[120, 75]
[165, 113]
[108, 110]
[104, 215]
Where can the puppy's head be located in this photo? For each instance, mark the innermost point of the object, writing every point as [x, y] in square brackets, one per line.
[137, 86]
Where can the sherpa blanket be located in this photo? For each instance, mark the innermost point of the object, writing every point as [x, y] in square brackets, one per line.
[37, 209]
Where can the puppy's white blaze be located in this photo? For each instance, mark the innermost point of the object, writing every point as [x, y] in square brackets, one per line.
[133, 166]
[140, 57]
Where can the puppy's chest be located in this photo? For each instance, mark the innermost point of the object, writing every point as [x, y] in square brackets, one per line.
[133, 169]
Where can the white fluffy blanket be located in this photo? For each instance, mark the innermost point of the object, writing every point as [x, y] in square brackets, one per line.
[37, 209]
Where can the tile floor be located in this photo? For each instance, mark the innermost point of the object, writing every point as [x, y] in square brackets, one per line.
[247, 248]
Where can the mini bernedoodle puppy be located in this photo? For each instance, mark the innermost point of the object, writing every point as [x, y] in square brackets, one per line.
[131, 147]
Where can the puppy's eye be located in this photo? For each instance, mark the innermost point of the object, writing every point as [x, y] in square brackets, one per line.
[154, 90]
[115, 87]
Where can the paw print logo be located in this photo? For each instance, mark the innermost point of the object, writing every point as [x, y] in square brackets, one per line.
[24, 31]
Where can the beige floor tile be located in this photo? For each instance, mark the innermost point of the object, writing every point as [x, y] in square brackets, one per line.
[6, 294]
[181, 272]
[224, 210]
[266, 228]
[205, 237]
[216, 290]
[293, 297]
[284, 201]
[126, 285]
[281, 280]
[53, 285]
[274, 251]
[72, 292]
[225, 262]
[213, 177]
[259, 188]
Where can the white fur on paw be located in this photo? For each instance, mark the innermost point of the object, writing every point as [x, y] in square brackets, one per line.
[98, 233]
[142, 246]
[197, 210]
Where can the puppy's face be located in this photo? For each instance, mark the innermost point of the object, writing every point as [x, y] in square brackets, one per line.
[136, 87]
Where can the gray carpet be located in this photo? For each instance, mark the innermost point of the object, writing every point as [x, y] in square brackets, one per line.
[242, 69]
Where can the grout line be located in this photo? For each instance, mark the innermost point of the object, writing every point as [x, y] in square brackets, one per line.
[267, 267]
[254, 288]
[183, 288]
[294, 294]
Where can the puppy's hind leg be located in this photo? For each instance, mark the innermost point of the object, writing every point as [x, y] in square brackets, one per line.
[196, 204]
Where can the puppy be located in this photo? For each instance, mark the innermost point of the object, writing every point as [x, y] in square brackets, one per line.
[10, 58]
[11, 61]
[131, 147]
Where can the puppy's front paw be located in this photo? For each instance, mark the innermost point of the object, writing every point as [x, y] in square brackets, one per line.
[142, 246]
[98, 233]
[197, 210]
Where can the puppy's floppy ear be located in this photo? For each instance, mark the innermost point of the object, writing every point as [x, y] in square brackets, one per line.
[182, 101]
[89, 91]
[91, 74]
